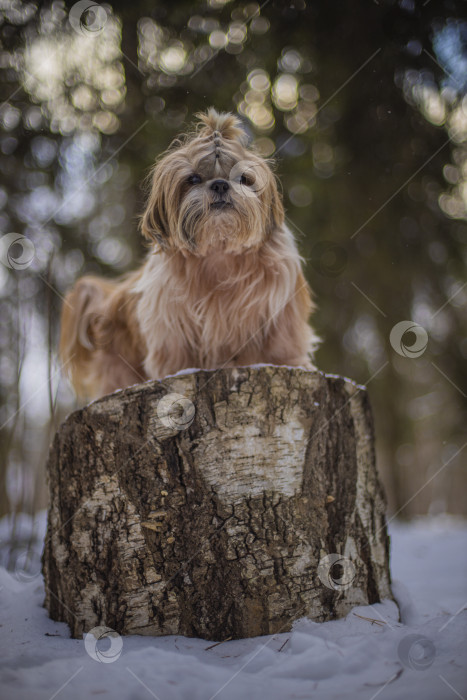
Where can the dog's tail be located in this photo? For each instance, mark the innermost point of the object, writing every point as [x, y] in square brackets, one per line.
[85, 328]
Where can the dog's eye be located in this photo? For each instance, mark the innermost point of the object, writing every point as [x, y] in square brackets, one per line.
[194, 179]
[245, 180]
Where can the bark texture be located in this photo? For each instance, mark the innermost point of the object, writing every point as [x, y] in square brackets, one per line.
[265, 508]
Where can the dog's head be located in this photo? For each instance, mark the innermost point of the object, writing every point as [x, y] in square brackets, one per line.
[211, 193]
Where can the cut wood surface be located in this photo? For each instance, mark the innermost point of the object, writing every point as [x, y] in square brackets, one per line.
[216, 504]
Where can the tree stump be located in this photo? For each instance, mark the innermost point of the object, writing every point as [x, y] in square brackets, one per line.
[216, 504]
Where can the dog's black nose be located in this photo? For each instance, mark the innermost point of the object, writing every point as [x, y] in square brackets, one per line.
[220, 186]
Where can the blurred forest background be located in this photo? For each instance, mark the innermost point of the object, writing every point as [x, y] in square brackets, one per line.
[362, 104]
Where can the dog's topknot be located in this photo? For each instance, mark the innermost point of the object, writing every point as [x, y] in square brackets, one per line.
[221, 125]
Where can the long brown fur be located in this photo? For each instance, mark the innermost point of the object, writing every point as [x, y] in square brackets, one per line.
[222, 286]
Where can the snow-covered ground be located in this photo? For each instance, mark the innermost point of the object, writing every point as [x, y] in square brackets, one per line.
[422, 656]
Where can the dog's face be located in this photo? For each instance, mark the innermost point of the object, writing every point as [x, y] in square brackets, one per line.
[211, 194]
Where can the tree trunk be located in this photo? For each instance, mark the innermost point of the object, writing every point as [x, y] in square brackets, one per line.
[216, 504]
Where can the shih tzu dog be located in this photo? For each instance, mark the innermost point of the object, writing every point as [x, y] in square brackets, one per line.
[221, 287]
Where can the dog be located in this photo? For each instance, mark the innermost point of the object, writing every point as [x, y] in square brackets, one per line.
[222, 285]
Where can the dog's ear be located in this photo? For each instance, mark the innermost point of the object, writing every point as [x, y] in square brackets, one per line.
[276, 208]
[154, 223]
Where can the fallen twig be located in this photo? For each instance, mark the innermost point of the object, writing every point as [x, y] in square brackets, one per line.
[216, 644]
[371, 619]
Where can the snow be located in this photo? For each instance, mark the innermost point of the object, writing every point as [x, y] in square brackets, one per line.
[350, 658]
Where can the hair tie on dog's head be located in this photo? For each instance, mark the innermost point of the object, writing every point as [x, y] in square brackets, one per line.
[217, 143]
